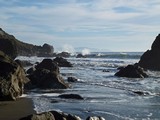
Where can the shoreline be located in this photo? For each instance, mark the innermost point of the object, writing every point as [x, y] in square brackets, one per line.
[14, 110]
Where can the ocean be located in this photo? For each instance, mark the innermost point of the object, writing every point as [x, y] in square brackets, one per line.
[106, 95]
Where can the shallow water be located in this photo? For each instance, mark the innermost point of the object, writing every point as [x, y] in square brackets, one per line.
[104, 94]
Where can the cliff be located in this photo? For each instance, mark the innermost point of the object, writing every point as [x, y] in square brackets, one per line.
[13, 47]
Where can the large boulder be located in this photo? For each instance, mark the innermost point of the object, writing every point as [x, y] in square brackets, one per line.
[13, 47]
[41, 116]
[132, 71]
[48, 64]
[151, 58]
[62, 62]
[52, 115]
[12, 78]
[46, 76]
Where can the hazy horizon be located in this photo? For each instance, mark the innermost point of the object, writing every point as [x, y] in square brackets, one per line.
[114, 25]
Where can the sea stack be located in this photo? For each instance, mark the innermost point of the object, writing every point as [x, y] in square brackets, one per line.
[151, 58]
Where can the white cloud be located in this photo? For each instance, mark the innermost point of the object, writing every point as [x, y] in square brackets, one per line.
[94, 19]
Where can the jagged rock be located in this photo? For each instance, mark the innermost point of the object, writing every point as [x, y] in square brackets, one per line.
[151, 58]
[72, 79]
[132, 71]
[13, 47]
[71, 96]
[95, 118]
[42, 116]
[12, 78]
[62, 62]
[46, 76]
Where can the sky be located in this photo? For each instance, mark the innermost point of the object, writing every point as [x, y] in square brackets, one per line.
[114, 25]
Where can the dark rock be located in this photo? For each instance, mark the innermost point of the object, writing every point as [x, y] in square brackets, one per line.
[62, 62]
[48, 64]
[80, 56]
[141, 93]
[71, 96]
[46, 76]
[105, 71]
[52, 115]
[132, 71]
[64, 116]
[45, 79]
[42, 116]
[63, 54]
[151, 58]
[72, 79]
[120, 68]
[95, 118]
[23, 63]
[12, 78]
[31, 70]
[13, 47]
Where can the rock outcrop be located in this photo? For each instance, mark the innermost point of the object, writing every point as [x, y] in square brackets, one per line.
[151, 58]
[52, 115]
[132, 71]
[46, 76]
[12, 78]
[13, 47]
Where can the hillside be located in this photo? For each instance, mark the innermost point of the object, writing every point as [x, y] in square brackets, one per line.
[13, 47]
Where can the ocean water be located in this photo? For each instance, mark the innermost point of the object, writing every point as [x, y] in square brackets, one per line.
[104, 94]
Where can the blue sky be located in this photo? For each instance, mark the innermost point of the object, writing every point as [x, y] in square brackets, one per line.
[116, 25]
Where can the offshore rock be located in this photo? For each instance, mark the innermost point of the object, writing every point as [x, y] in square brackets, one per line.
[151, 58]
[63, 54]
[132, 71]
[62, 62]
[80, 56]
[12, 78]
[46, 76]
[72, 79]
[13, 47]
[71, 96]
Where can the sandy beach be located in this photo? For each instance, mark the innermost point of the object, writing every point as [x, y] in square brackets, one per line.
[14, 110]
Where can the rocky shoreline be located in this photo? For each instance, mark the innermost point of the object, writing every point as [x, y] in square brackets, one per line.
[46, 75]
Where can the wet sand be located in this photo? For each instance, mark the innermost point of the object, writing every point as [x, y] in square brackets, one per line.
[14, 110]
